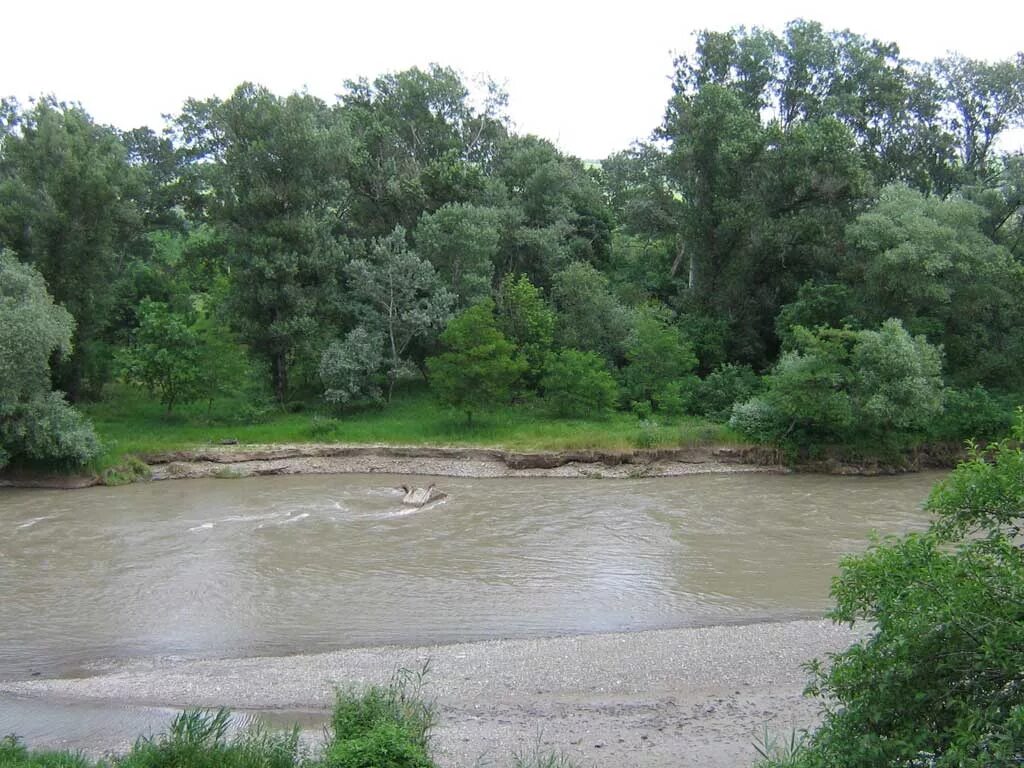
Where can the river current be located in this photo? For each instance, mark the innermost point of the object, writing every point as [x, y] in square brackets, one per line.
[280, 565]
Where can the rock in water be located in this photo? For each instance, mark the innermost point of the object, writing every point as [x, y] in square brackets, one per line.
[417, 497]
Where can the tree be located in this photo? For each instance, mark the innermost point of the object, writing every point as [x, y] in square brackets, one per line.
[36, 424]
[274, 166]
[401, 296]
[928, 262]
[658, 356]
[351, 369]
[578, 384]
[418, 143]
[66, 207]
[559, 214]
[588, 315]
[164, 355]
[527, 321]
[480, 367]
[936, 681]
[461, 241]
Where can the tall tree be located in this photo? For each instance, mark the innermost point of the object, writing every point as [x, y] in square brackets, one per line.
[279, 200]
[418, 143]
[67, 208]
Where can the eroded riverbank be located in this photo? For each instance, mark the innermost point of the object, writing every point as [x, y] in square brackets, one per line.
[654, 699]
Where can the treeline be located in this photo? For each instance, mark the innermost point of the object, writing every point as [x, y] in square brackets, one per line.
[800, 182]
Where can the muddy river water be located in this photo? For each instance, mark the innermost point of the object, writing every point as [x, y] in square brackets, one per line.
[278, 565]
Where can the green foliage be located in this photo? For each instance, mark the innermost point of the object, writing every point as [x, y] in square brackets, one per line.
[937, 681]
[577, 384]
[350, 369]
[36, 425]
[928, 262]
[13, 754]
[164, 355]
[971, 412]
[527, 321]
[274, 168]
[480, 366]
[724, 386]
[400, 296]
[384, 746]
[840, 386]
[201, 739]
[66, 207]
[131, 470]
[461, 241]
[659, 358]
[589, 316]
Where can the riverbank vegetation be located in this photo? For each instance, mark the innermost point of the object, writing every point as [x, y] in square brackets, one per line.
[938, 681]
[377, 727]
[822, 244]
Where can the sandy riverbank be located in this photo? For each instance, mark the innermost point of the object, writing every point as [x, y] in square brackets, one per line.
[654, 699]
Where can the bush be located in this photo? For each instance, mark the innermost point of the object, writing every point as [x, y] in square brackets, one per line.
[970, 413]
[678, 397]
[840, 387]
[578, 384]
[399, 703]
[47, 431]
[726, 385]
[937, 682]
[385, 745]
[658, 355]
[756, 419]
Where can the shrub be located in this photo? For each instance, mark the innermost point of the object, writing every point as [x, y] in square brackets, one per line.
[678, 397]
[658, 355]
[399, 703]
[937, 680]
[480, 366]
[726, 385]
[578, 384]
[970, 413]
[131, 470]
[385, 745]
[870, 388]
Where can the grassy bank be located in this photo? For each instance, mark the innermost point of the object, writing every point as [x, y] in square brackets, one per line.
[377, 727]
[131, 423]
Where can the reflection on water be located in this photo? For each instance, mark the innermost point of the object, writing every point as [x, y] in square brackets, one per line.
[285, 564]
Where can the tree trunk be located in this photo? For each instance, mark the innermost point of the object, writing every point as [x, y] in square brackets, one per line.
[280, 372]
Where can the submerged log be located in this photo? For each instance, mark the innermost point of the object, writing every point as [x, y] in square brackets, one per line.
[417, 497]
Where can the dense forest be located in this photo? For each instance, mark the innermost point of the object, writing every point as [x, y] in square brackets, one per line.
[822, 243]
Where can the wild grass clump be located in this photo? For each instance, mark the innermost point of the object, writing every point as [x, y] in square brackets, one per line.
[398, 705]
[131, 470]
[13, 754]
[203, 739]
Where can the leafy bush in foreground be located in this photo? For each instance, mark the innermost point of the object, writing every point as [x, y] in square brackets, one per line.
[938, 682]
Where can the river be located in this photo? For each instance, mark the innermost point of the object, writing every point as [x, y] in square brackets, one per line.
[281, 565]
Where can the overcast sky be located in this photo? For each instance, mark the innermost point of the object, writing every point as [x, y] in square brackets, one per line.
[589, 76]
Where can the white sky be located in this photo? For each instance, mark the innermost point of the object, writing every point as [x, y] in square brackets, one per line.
[590, 76]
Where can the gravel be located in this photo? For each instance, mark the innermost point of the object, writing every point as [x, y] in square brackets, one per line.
[678, 697]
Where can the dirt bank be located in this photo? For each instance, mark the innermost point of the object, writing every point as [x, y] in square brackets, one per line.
[681, 697]
[235, 461]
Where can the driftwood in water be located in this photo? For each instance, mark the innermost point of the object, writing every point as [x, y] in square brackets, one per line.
[417, 497]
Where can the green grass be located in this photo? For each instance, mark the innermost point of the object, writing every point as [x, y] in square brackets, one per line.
[131, 423]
